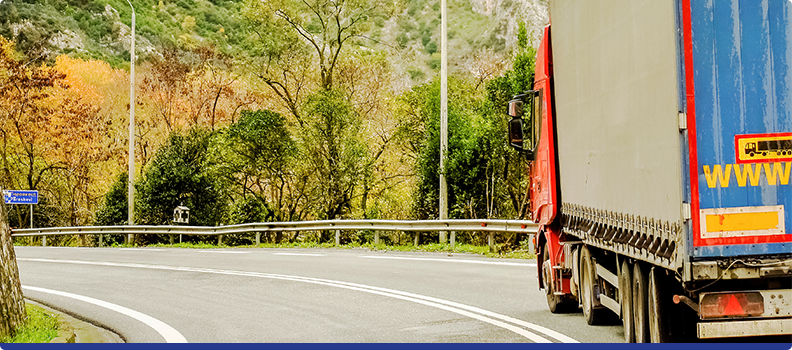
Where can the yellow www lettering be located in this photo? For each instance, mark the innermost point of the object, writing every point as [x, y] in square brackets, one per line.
[779, 172]
[716, 174]
[747, 173]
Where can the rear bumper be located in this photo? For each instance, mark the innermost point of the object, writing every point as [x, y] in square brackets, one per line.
[729, 329]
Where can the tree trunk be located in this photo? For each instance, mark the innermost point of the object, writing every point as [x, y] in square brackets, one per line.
[12, 306]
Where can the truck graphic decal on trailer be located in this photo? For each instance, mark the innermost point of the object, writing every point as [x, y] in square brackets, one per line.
[763, 148]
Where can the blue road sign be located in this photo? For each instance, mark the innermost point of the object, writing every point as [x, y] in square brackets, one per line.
[20, 197]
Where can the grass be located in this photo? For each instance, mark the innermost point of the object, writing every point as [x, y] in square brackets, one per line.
[41, 327]
[432, 247]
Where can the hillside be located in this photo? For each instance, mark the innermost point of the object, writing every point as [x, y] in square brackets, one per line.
[100, 29]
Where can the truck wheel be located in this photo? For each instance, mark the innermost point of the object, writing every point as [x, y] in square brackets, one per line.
[556, 303]
[658, 305]
[587, 279]
[626, 296]
[639, 303]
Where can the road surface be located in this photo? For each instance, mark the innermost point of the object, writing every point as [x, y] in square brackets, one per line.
[300, 295]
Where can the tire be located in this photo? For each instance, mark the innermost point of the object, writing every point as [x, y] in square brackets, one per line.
[594, 316]
[626, 296]
[658, 305]
[639, 303]
[556, 303]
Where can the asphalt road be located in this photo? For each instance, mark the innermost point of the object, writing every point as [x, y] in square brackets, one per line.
[300, 295]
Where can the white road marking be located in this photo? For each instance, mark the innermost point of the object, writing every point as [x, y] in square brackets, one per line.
[484, 262]
[141, 249]
[223, 251]
[171, 335]
[490, 317]
[300, 254]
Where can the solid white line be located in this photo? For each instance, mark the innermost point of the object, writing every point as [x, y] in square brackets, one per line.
[140, 249]
[223, 251]
[299, 254]
[465, 310]
[171, 335]
[483, 262]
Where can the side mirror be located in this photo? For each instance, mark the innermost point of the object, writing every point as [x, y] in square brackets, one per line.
[516, 110]
[516, 133]
[516, 107]
[516, 137]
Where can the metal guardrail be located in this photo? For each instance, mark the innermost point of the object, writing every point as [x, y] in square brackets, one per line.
[486, 225]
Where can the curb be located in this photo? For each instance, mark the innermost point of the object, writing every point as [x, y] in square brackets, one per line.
[73, 330]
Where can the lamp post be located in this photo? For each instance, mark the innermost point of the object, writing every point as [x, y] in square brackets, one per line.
[131, 193]
[443, 114]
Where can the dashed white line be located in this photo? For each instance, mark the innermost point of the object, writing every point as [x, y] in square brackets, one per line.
[492, 318]
[462, 261]
[169, 333]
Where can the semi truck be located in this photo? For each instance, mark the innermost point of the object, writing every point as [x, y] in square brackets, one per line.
[657, 133]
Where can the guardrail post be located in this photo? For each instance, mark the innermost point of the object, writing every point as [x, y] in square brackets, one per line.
[453, 240]
[376, 237]
[338, 238]
[220, 240]
[417, 238]
[180, 238]
[258, 238]
[531, 248]
[43, 241]
[101, 240]
[491, 242]
[171, 239]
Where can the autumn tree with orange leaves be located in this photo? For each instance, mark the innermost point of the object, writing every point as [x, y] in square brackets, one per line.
[50, 136]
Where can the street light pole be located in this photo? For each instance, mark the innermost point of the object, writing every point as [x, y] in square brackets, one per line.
[131, 193]
[443, 114]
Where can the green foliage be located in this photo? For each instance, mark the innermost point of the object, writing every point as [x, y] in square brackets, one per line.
[499, 252]
[160, 22]
[40, 327]
[470, 140]
[256, 159]
[113, 210]
[521, 76]
[263, 143]
[179, 174]
[249, 209]
[331, 146]
[485, 177]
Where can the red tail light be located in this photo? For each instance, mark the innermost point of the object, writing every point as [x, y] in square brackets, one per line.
[717, 305]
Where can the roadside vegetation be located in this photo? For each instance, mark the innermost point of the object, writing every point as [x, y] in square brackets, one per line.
[249, 113]
[521, 253]
[40, 327]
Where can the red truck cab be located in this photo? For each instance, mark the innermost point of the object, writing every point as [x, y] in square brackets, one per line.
[543, 190]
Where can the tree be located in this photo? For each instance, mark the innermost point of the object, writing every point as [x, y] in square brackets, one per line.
[113, 210]
[288, 37]
[330, 145]
[12, 305]
[258, 157]
[499, 91]
[51, 133]
[179, 174]
[476, 149]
